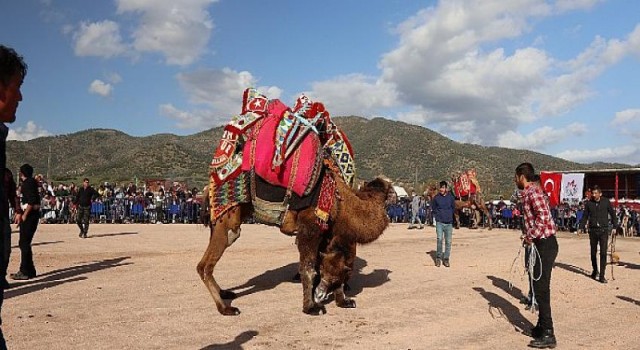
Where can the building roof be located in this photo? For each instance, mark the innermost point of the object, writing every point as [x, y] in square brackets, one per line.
[596, 171]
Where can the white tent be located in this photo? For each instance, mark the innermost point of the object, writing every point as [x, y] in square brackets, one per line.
[400, 192]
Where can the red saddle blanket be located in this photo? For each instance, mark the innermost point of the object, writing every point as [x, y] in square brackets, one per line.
[305, 170]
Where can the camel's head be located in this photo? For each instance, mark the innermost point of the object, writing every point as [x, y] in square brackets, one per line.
[378, 186]
[334, 271]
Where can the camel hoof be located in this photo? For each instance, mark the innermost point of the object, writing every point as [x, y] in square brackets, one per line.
[231, 311]
[227, 294]
[316, 310]
[347, 304]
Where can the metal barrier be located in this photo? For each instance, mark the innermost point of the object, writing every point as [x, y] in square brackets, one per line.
[126, 210]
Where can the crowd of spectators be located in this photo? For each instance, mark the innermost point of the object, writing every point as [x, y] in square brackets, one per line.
[507, 214]
[117, 203]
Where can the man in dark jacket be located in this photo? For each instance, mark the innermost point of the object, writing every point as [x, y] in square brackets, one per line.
[83, 199]
[29, 224]
[597, 212]
[443, 208]
[13, 70]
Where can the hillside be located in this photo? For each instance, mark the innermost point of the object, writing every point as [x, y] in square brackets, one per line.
[406, 153]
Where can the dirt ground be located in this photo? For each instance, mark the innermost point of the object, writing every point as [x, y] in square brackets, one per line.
[136, 287]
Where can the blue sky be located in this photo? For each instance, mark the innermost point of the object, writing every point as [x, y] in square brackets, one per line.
[559, 77]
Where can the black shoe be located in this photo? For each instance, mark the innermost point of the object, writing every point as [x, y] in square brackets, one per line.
[438, 262]
[525, 300]
[594, 274]
[546, 341]
[446, 263]
[19, 276]
[536, 332]
[80, 234]
[602, 280]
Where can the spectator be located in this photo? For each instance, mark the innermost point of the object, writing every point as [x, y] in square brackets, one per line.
[83, 199]
[29, 224]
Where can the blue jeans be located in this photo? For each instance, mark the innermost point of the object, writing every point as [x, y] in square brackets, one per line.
[447, 231]
[414, 217]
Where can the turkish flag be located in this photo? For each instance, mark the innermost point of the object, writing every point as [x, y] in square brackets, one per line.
[551, 183]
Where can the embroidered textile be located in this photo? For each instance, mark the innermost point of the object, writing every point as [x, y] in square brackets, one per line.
[325, 201]
[227, 195]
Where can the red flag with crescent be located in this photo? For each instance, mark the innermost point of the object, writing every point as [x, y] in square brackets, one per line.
[551, 183]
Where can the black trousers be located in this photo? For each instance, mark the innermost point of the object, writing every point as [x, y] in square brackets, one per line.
[27, 230]
[83, 218]
[548, 250]
[599, 236]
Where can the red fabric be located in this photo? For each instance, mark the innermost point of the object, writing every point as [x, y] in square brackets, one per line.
[537, 215]
[551, 183]
[325, 201]
[265, 147]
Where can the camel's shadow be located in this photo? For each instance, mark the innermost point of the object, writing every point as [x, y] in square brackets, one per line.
[272, 278]
[236, 344]
[360, 281]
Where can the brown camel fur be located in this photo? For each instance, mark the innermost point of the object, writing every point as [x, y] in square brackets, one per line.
[356, 220]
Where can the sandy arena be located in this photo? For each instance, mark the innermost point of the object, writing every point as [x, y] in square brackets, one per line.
[136, 287]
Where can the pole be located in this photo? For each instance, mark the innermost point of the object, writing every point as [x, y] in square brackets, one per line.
[48, 163]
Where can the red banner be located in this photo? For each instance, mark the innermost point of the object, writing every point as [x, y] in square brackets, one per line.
[551, 183]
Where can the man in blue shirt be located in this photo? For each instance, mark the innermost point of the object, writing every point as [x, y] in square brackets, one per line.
[443, 208]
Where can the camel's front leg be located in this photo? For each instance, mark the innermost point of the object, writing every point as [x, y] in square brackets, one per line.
[341, 299]
[223, 234]
[308, 245]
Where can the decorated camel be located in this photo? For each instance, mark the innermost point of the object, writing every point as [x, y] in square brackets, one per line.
[469, 195]
[291, 168]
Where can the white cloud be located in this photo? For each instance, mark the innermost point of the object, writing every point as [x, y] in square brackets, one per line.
[354, 94]
[220, 91]
[540, 138]
[28, 132]
[629, 154]
[100, 39]
[179, 30]
[623, 118]
[101, 88]
[451, 65]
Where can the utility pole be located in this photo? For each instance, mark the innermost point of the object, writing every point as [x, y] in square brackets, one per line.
[415, 183]
[48, 163]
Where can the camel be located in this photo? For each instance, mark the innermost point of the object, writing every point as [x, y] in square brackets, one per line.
[358, 217]
[475, 203]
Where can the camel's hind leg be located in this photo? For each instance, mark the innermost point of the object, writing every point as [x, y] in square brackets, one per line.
[225, 231]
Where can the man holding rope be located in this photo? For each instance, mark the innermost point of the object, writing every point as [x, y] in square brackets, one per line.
[540, 234]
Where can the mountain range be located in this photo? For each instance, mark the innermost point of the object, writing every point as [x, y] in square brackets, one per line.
[412, 156]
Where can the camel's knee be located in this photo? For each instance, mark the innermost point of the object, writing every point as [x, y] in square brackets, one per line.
[200, 269]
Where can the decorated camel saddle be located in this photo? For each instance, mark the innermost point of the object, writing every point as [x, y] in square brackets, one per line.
[465, 184]
[278, 158]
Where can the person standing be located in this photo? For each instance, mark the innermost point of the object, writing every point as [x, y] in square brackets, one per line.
[13, 70]
[416, 203]
[540, 234]
[597, 212]
[443, 208]
[83, 199]
[29, 224]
